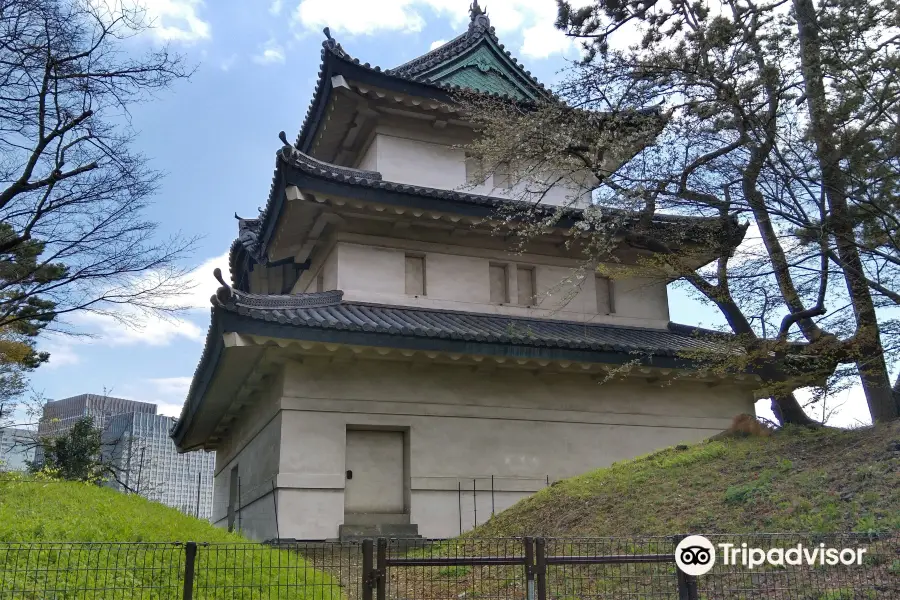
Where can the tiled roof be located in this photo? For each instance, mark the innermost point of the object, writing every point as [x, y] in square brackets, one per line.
[511, 79]
[429, 69]
[325, 317]
[251, 232]
[328, 311]
[373, 179]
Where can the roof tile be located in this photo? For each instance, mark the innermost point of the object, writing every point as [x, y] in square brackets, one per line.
[329, 311]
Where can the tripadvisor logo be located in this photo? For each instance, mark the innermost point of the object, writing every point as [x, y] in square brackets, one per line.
[695, 555]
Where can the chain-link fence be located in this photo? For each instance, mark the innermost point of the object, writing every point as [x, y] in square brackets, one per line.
[865, 568]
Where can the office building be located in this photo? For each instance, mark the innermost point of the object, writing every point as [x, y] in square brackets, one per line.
[146, 462]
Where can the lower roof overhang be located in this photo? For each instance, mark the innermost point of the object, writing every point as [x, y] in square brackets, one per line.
[237, 347]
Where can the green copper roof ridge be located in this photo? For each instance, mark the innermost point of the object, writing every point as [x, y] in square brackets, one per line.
[479, 32]
[504, 67]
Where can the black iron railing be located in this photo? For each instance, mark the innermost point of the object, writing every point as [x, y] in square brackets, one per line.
[459, 569]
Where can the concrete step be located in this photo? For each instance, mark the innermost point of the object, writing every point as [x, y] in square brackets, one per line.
[351, 533]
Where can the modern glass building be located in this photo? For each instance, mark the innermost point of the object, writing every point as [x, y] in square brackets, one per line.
[136, 442]
[16, 448]
[59, 415]
[147, 463]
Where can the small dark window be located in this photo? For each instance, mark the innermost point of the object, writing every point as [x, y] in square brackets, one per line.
[290, 273]
[605, 301]
[499, 284]
[474, 170]
[525, 285]
[503, 177]
[415, 275]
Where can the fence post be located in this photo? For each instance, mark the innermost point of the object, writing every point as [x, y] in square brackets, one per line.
[381, 570]
[190, 556]
[492, 495]
[459, 501]
[529, 568]
[687, 584]
[540, 548]
[368, 569]
[474, 503]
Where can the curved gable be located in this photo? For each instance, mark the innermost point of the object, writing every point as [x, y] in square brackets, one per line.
[484, 68]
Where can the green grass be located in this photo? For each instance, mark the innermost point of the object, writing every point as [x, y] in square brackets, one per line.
[799, 480]
[39, 517]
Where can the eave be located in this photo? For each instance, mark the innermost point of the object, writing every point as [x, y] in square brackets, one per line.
[247, 328]
[335, 62]
[326, 182]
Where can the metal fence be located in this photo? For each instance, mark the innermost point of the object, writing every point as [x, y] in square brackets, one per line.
[189, 571]
[460, 569]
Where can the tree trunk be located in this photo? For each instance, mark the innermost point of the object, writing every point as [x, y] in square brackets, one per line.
[789, 412]
[871, 366]
[785, 407]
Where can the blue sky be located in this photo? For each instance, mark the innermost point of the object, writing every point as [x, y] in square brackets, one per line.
[215, 137]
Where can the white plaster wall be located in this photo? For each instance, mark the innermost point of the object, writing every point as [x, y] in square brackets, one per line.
[416, 162]
[458, 282]
[454, 277]
[560, 288]
[369, 159]
[419, 156]
[641, 297]
[329, 270]
[375, 270]
[464, 424]
[254, 446]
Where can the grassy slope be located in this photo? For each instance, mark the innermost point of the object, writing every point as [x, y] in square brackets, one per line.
[72, 512]
[59, 512]
[795, 481]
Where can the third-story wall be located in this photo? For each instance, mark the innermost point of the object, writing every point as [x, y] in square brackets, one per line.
[458, 278]
[417, 154]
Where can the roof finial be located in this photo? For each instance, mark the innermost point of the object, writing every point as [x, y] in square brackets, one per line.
[480, 21]
[330, 43]
[224, 294]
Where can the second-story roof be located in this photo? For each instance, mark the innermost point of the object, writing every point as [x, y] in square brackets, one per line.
[324, 317]
[296, 168]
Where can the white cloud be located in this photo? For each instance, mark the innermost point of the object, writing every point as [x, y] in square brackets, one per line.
[229, 62]
[272, 52]
[153, 330]
[543, 40]
[275, 7]
[170, 393]
[63, 352]
[142, 327]
[169, 409]
[172, 385]
[437, 44]
[201, 284]
[533, 19]
[358, 17]
[177, 20]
